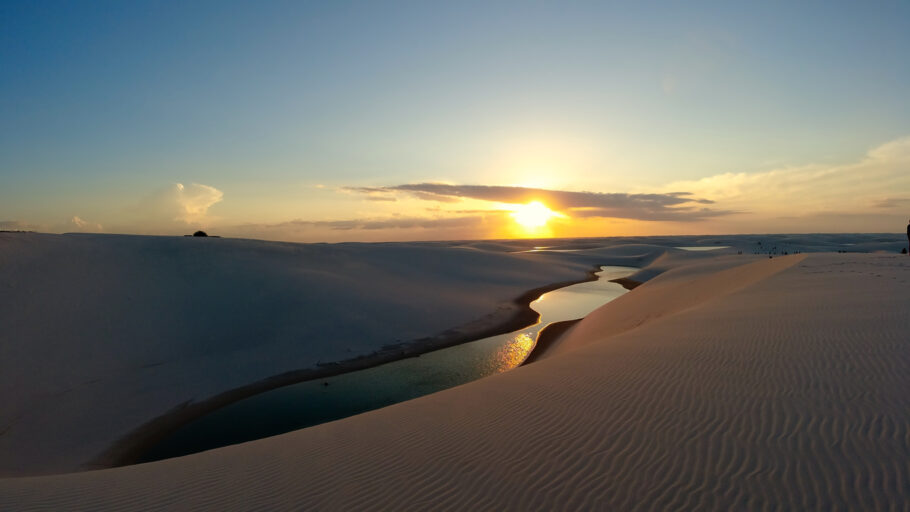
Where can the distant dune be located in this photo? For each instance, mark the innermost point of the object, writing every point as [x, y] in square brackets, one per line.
[727, 381]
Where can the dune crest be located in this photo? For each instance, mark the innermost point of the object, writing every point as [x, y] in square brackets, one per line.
[671, 292]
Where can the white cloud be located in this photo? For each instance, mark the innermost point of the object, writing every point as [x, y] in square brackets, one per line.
[173, 209]
[178, 204]
[816, 190]
[84, 226]
[193, 201]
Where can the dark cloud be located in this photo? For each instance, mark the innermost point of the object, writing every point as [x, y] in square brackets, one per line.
[678, 214]
[430, 196]
[367, 190]
[373, 193]
[673, 206]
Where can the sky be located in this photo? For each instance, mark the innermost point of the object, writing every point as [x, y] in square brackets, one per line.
[384, 121]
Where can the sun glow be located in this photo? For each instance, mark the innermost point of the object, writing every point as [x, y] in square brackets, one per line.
[533, 215]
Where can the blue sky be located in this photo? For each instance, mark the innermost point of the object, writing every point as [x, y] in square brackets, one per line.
[271, 112]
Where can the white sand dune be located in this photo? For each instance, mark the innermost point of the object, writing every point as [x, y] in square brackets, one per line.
[103, 335]
[731, 384]
[671, 291]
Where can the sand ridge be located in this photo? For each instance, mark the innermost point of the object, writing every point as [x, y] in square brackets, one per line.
[670, 292]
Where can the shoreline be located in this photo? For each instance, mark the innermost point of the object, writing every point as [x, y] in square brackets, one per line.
[128, 450]
[547, 336]
[625, 282]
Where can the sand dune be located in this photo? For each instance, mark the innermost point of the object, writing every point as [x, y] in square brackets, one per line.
[106, 337]
[775, 385]
[670, 292]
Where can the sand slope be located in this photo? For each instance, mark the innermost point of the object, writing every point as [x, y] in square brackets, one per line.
[788, 392]
[672, 291]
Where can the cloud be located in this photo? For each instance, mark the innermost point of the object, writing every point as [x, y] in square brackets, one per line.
[864, 195]
[193, 201]
[367, 190]
[371, 224]
[84, 226]
[372, 193]
[892, 202]
[176, 206]
[17, 225]
[672, 206]
[801, 190]
[74, 224]
[434, 196]
[375, 228]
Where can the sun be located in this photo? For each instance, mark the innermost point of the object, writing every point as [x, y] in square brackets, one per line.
[532, 215]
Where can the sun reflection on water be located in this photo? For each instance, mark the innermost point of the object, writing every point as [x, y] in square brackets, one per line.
[513, 353]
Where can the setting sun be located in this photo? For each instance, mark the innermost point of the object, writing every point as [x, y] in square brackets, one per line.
[533, 215]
